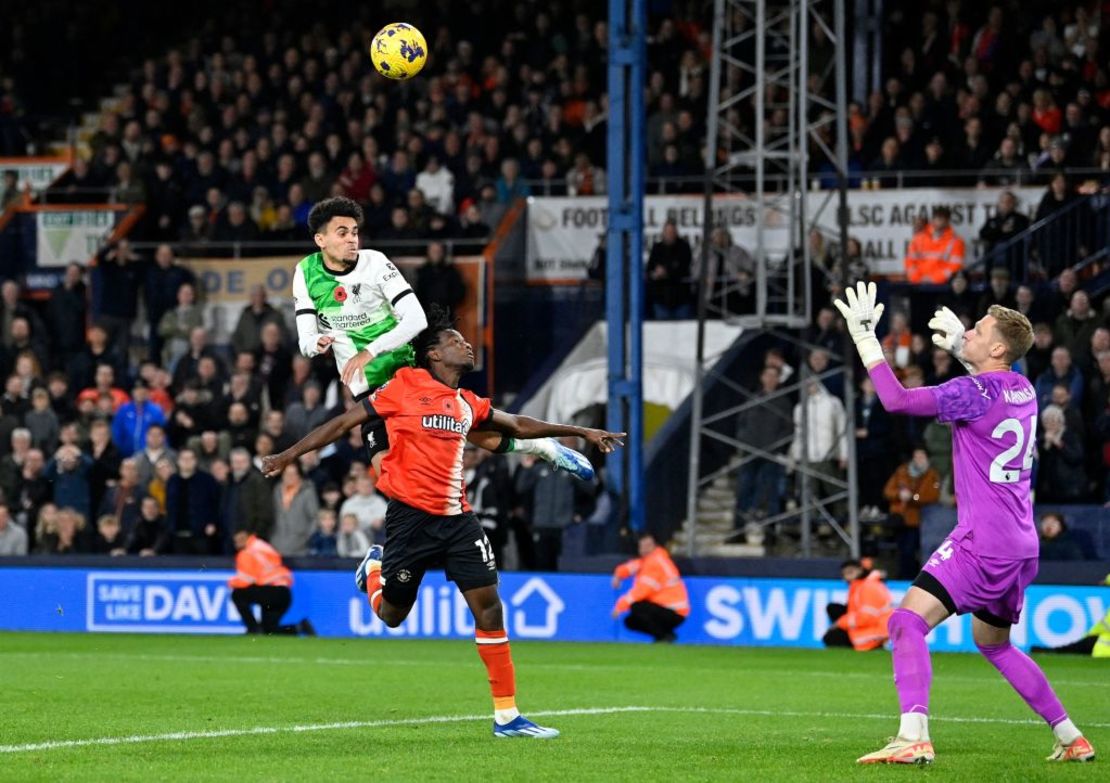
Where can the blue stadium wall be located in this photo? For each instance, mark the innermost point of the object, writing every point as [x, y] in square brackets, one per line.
[560, 607]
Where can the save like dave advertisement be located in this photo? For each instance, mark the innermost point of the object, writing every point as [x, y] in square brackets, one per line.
[559, 607]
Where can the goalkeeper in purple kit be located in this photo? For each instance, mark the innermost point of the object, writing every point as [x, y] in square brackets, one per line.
[986, 563]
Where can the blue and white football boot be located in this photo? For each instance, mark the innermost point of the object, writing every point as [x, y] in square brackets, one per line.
[522, 727]
[566, 459]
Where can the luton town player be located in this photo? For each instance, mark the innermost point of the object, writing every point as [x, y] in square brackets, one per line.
[985, 564]
[429, 522]
[357, 304]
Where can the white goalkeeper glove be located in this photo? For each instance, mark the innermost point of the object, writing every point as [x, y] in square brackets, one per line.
[862, 314]
[949, 333]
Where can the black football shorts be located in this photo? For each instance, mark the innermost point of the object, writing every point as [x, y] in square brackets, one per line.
[416, 541]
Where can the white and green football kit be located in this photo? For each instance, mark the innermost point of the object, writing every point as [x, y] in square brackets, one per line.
[372, 306]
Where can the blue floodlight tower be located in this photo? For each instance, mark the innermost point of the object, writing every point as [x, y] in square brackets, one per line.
[624, 276]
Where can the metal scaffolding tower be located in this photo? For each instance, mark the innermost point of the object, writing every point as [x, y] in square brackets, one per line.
[767, 119]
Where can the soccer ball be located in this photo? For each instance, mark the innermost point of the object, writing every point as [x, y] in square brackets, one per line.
[398, 51]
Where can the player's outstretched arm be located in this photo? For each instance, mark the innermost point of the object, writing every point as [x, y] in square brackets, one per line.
[861, 314]
[526, 427]
[327, 433]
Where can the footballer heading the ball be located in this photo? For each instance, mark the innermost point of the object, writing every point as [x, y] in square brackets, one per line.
[398, 51]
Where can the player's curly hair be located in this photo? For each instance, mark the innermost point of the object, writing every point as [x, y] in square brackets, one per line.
[338, 206]
[440, 320]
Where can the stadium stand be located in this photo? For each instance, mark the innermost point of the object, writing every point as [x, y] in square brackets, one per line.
[229, 137]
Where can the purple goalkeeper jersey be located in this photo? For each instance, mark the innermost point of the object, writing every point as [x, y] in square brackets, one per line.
[994, 429]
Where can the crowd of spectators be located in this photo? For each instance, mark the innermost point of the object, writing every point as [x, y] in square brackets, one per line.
[1011, 92]
[905, 462]
[233, 137]
[271, 115]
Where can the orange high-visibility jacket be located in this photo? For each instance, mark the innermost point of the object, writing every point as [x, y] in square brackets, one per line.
[258, 563]
[934, 259]
[869, 608]
[657, 580]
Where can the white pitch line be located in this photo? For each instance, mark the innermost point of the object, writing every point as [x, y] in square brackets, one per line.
[177, 736]
[987, 678]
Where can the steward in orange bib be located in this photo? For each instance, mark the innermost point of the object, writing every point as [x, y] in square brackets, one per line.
[657, 602]
[862, 623]
[936, 252]
[262, 579]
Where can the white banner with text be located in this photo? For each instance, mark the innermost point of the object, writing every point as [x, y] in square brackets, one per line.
[564, 232]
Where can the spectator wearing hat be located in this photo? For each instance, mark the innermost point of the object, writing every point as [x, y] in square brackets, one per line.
[198, 230]
[69, 471]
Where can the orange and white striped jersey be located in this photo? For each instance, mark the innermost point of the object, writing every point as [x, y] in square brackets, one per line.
[427, 422]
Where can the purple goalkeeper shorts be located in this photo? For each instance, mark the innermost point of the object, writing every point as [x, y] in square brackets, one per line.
[988, 585]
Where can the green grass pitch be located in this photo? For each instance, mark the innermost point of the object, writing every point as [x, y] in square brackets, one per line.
[144, 708]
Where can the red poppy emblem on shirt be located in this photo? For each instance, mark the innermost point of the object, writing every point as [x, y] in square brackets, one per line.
[340, 294]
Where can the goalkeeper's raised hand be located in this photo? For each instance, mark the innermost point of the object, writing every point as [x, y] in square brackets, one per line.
[949, 333]
[862, 314]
